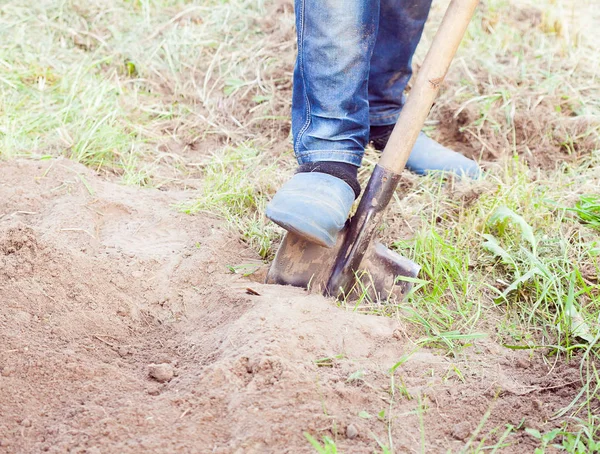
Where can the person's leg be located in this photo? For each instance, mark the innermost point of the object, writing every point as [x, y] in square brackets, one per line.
[330, 116]
[400, 28]
[330, 108]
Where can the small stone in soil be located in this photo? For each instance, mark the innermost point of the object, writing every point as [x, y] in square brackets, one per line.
[122, 311]
[461, 431]
[161, 372]
[26, 422]
[351, 431]
[7, 371]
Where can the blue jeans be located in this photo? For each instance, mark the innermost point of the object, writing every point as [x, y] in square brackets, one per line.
[353, 64]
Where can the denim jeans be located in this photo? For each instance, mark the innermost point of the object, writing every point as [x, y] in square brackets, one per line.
[353, 64]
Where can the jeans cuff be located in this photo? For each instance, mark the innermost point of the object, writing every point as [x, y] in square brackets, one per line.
[349, 157]
[384, 120]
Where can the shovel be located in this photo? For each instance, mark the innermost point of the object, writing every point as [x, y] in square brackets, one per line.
[355, 267]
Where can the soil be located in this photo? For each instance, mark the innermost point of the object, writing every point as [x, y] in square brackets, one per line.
[123, 330]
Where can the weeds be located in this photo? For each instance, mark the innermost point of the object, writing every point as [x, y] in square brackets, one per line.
[579, 442]
[328, 446]
[588, 210]
[235, 186]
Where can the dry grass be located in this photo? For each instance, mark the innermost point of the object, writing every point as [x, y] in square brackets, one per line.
[526, 82]
[144, 89]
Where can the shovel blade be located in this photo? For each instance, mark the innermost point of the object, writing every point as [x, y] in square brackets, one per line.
[382, 271]
[301, 263]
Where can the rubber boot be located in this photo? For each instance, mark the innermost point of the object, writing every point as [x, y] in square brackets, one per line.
[429, 156]
[312, 205]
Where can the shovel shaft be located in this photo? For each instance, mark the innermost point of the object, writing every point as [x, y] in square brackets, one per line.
[375, 199]
[427, 84]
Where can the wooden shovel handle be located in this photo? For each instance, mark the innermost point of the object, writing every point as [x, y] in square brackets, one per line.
[427, 84]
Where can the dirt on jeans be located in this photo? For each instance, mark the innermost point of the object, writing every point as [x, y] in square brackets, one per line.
[123, 330]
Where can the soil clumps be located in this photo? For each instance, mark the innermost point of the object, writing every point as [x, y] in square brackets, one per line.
[123, 330]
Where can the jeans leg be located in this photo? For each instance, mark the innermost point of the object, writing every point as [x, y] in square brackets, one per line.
[330, 108]
[400, 28]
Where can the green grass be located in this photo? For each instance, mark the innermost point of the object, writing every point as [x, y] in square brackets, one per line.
[236, 183]
[588, 210]
[511, 250]
[521, 262]
[124, 85]
[328, 446]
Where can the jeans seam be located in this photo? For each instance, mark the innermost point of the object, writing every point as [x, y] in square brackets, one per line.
[304, 82]
[348, 152]
[384, 117]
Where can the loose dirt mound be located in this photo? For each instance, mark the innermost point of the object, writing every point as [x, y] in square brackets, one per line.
[101, 285]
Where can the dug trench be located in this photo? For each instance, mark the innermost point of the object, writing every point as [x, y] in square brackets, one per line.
[123, 330]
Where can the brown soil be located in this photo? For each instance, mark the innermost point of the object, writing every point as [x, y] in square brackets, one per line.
[546, 129]
[540, 136]
[123, 331]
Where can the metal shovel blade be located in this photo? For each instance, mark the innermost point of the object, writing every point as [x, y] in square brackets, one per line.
[379, 276]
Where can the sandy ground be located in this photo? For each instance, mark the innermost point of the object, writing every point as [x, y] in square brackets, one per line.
[122, 330]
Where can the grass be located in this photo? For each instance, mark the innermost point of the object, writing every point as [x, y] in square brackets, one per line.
[235, 186]
[526, 87]
[526, 261]
[328, 446]
[588, 210]
[523, 263]
[170, 94]
[129, 86]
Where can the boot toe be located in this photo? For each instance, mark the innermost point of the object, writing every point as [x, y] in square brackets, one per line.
[314, 206]
[429, 156]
